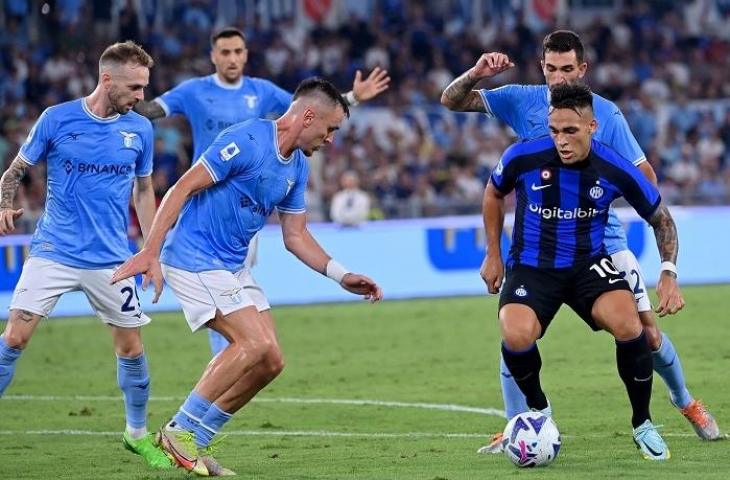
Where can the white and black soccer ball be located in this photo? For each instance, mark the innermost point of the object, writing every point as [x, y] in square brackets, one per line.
[531, 439]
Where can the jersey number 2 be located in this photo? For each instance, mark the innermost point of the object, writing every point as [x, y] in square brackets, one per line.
[130, 292]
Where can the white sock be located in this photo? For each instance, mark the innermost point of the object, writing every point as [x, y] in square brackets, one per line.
[136, 433]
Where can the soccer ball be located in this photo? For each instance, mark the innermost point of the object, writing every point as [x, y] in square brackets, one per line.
[531, 439]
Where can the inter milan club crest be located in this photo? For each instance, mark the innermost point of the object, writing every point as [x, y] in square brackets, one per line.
[595, 192]
[521, 291]
[545, 174]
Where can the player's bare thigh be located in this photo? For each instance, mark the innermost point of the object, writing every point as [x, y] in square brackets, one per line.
[20, 328]
[519, 326]
[615, 311]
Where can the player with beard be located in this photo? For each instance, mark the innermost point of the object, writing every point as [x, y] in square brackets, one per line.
[98, 152]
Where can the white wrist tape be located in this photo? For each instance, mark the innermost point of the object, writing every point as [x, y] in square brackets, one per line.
[669, 267]
[335, 271]
[351, 100]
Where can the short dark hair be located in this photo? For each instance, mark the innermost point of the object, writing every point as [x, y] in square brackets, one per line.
[562, 41]
[324, 87]
[126, 52]
[573, 96]
[226, 32]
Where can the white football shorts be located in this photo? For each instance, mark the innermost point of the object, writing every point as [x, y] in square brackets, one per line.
[202, 293]
[625, 261]
[43, 281]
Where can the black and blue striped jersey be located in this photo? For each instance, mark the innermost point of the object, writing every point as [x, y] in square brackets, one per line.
[562, 210]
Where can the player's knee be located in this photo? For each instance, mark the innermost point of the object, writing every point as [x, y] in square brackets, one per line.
[131, 348]
[16, 339]
[626, 329]
[16, 334]
[274, 363]
[520, 335]
[653, 336]
[251, 352]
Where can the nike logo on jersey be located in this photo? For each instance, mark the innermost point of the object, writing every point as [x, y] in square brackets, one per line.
[535, 188]
[74, 136]
[614, 280]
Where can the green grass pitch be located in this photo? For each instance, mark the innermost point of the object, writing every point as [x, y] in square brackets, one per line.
[328, 416]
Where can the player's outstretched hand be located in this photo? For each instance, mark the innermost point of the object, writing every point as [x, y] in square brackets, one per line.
[362, 285]
[8, 216]
[491, 64]
[670, 296]
[492, 273]
[376, 83]
[148, 265]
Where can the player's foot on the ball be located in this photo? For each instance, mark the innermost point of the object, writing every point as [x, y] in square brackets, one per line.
[547, 411]
[702, 421]
[650, 443]
[494, 446]
[180, 445]
[147, 449]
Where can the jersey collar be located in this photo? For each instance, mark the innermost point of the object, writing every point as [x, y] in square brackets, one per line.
[88, 111]
[227, 86]
[282, 158]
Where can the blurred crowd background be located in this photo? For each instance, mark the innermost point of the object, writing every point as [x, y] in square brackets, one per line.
[665, 63]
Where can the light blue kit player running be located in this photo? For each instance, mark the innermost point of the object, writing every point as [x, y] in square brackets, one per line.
[525, 109]
[97, 154]
[216, 207]
[213, 103]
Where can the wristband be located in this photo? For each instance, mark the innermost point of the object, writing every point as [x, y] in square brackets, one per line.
[351, 100]
[668, 267]
[335, 271]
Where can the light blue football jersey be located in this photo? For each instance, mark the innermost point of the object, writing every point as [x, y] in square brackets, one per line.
[525, 109]
[251, 179]
[91, 166]
[211, 106]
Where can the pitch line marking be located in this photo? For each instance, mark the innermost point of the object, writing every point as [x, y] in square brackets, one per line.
[321, 433]
[302, 401]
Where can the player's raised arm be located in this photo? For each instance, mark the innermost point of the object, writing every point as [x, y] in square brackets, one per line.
[492, 270]
[302, 244]
[363, 90]
[460, 95]
[151, 110]
[667, 289]
[8, 187]
[147, 260]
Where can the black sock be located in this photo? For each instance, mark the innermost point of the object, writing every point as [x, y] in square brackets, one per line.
[525, 369]
[634, 361]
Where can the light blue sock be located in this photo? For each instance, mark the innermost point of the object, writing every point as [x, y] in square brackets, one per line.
[218, 342]
[210, 425]
[134, 381]
[514, 399]
[191, 412]
[8, 356]
[668, 366]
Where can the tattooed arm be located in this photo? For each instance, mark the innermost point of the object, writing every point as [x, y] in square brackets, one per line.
[666, 235]
[665, 231]
[8, 186]
[151, 110]
[460, 95]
